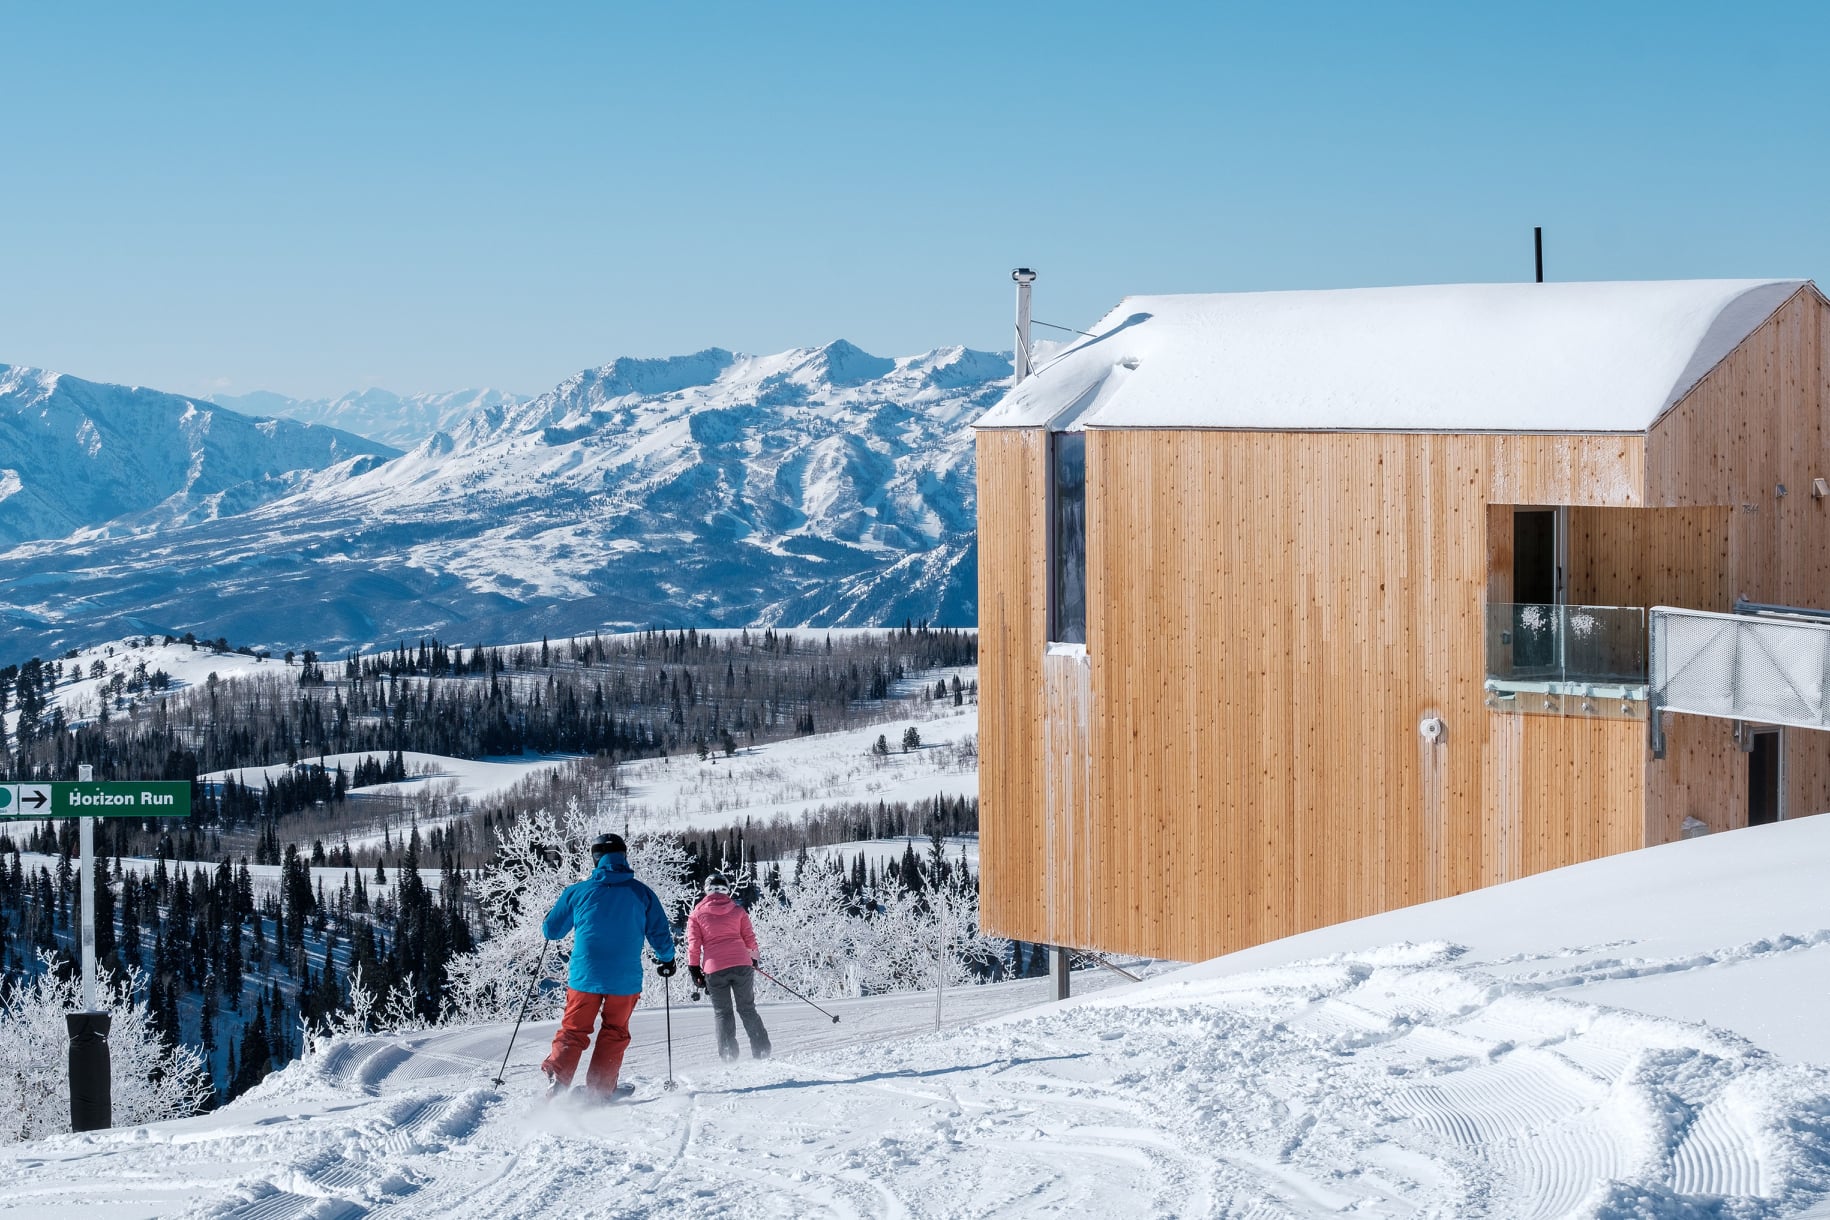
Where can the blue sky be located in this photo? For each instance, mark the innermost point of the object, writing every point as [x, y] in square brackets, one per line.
[316, 198]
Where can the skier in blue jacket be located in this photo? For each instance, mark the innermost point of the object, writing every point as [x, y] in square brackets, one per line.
[609, 914]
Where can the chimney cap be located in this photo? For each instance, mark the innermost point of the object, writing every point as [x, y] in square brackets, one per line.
[1023, 275]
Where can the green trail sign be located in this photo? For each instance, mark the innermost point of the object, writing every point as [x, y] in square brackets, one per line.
[98, 799]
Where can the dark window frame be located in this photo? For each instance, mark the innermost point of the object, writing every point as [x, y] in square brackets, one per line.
[1067, 539]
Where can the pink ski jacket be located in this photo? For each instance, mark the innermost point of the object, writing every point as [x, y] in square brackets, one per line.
[719, 935]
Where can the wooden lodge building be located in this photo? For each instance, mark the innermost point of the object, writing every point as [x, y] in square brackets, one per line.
[1296, 607]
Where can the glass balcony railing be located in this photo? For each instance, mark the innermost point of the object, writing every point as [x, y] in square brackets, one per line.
[1565, 648]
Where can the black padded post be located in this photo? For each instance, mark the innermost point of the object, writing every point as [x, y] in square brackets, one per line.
[91, 1089]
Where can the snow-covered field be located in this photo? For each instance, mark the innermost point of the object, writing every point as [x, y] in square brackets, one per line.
[81, 698]
[1638, 1036]
[793, 777]
[470, 779]
[467, 778]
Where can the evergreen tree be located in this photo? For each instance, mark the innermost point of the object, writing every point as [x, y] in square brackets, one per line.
[232, 967]
[130, 920]
[256, 1054]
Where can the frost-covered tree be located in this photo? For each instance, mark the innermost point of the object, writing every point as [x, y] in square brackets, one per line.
[830, 941]
[151, 1081]
[814, 937]
[538, 856]
[932, 938]
[364, 1014]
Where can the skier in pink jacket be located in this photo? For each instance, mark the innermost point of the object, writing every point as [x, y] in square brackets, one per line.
[720, 953]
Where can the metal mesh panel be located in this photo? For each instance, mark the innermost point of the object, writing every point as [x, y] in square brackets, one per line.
[1739, 666]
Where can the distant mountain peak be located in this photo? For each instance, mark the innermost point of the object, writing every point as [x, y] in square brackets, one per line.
[88, 455]
[819, 485]
[648, 376]
[397, 420]
[842, 363]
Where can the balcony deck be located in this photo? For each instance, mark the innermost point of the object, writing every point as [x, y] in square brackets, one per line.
[1564, 660]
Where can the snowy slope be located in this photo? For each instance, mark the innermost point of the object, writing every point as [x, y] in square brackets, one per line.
[84, 690]
[820, 485]
[1639, 1036]
[455, 779]
[80, 455]
[400, 420]
[465, 778]
[792, 777]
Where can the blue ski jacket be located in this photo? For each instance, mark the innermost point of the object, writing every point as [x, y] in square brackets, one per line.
[611, 912]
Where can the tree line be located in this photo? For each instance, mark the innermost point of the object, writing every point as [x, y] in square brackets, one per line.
[630, 696]
[234, 969]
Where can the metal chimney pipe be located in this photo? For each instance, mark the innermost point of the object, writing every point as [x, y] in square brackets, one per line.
[1024, 278]
[1537, 242]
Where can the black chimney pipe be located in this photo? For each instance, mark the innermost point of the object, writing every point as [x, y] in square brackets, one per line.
[1537, 241]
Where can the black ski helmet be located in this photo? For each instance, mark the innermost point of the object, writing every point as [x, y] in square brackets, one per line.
[604, 845]
[717, 883]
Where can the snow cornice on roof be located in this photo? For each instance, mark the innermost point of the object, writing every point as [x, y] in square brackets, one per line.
[1534, 358]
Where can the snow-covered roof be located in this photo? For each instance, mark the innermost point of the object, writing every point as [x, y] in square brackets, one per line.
[1563, 357]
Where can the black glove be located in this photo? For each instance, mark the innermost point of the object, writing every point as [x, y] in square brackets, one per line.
[665, 969]
[698, 977]
[756, 961]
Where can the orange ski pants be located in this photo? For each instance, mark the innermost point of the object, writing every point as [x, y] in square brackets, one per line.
[582, 1009]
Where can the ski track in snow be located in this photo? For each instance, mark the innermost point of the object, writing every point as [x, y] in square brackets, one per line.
[1405, 1081]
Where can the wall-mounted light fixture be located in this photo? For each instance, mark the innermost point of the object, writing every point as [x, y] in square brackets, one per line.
[1820, 488]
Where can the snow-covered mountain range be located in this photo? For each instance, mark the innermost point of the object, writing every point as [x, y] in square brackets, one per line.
[818, 486]
[400, 420]
[77, 455]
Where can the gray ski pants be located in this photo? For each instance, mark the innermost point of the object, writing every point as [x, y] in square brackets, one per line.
[736, 987]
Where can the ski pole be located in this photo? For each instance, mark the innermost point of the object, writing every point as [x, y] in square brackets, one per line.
[539, 969]
[667, 1001]
[797, 995]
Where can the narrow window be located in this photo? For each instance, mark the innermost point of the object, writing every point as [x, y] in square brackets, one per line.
[1536, 574]
[1067, 611]
[1537, 591]
[1763, 778]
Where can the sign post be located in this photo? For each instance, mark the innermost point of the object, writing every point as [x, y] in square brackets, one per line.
[85, 838]
[91, 1101]
[91, 1066]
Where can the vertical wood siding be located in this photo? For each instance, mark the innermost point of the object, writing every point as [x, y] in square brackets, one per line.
[1581, 785]
[1702, 776]
[1013, 573]
[1756, 422]
[1649, 557]
[1070, 847]
[1271, 615]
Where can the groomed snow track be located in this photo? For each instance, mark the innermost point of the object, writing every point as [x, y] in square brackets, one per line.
[1554, 1061]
